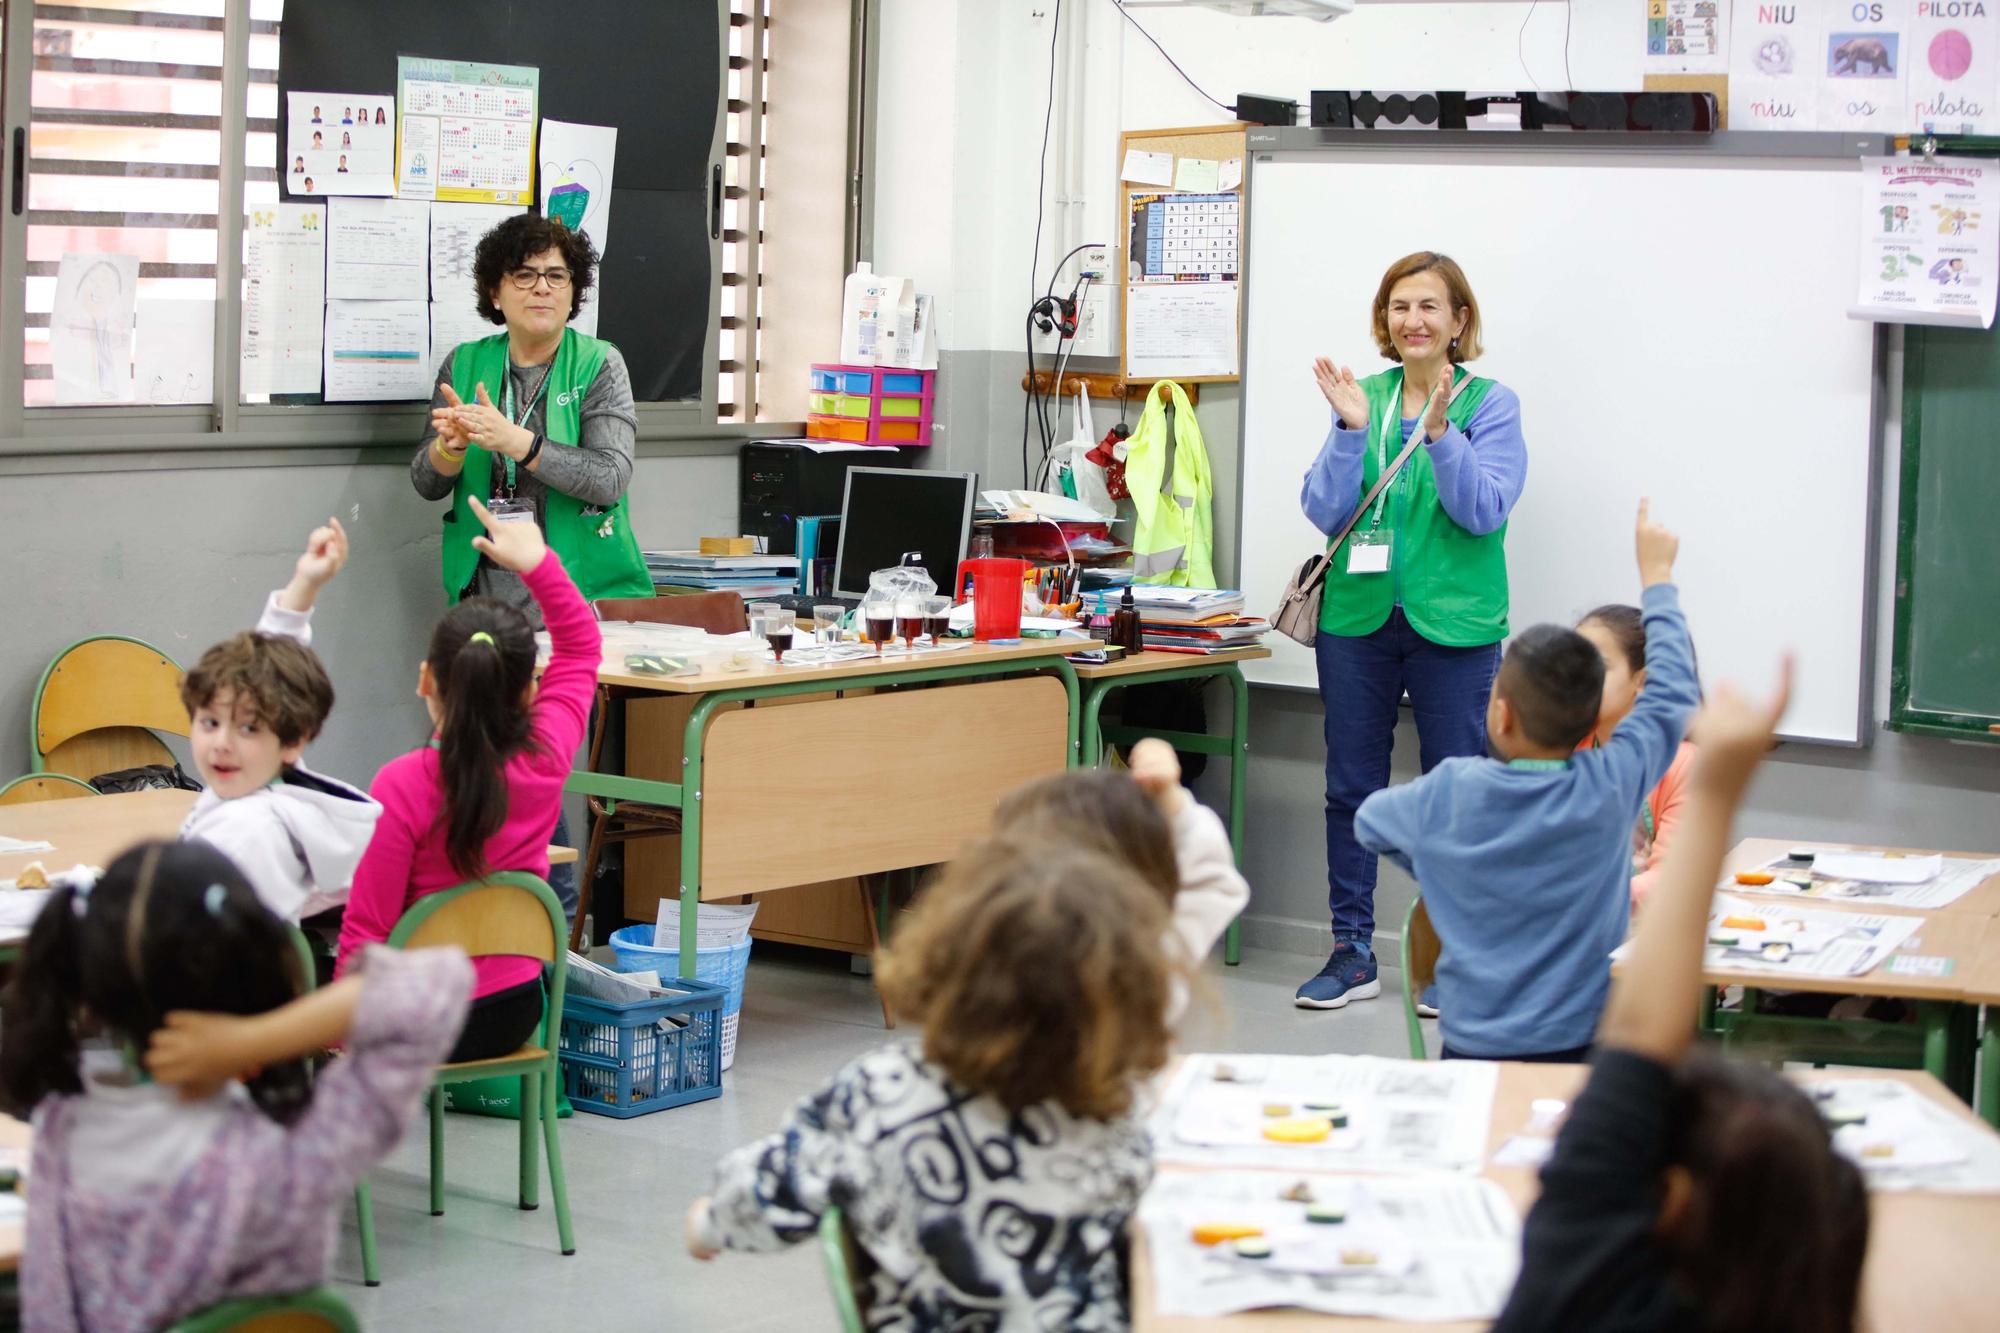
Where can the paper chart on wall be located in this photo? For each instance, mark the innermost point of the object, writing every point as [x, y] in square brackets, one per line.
[375, 351]
[345, 143]
[474, 127]
[377, 250]
[1775, 68]
[1429, 1248]
[90, 328]
[1865, 58]
[1687, 36]
[1180, 329]
[1930, 241]
[456, 230]
[452, 323]
[284, 300]
[1953, 68]
[175, 357]
[576, 177]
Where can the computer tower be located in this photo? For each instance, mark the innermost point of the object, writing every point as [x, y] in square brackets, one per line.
[782, 481]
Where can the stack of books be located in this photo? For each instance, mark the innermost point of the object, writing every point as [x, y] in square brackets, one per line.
[751, 576]
[1196, 620]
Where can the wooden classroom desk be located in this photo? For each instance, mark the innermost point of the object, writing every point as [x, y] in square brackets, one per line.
[1983, 900]
[850, 783]
[1152, 667]
[1921, 1272]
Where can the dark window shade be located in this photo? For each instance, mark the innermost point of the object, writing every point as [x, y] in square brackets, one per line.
[648, 67]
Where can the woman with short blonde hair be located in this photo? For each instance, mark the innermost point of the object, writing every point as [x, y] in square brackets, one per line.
[1416, 597]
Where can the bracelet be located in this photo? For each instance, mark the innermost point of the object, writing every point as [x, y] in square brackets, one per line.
[534, 452]
[444, 454]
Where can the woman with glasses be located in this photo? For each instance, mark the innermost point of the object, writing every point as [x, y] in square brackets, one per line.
[537, 422]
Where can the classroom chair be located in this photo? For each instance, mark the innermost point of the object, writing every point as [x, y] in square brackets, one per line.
[1421, 948]
[98, 705]
[615, 821]
[316, 1311]
[506, 912]
[44, 787]
[364, 1198]
[844, 1267]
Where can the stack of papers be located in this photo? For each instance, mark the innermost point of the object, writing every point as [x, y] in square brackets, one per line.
[1204, 636]
[753, 576]
[1185, 606]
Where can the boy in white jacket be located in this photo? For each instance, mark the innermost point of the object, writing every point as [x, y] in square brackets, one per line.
[254, 701]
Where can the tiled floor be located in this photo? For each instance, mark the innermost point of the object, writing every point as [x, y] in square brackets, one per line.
[487, 1267]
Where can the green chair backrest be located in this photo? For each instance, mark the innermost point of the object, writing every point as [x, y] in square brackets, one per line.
[44, 787]
[316, 1311]
[1421, 948]
[836, 1246]
[505, 912]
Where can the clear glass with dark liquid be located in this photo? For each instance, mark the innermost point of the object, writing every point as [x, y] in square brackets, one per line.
[878, 629]
[908, 628]
[779, 636]
[937, 627]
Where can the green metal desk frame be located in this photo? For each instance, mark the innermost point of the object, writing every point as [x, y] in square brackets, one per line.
[1989, 1066]
[685, 795]
[1941, 1042]
[1234, 747]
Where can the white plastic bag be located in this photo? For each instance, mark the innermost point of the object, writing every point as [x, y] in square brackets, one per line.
[1072, 458]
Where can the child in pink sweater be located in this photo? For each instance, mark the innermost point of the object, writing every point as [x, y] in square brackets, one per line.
[483, 795]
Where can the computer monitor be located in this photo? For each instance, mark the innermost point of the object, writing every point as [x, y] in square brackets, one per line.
[887, 513]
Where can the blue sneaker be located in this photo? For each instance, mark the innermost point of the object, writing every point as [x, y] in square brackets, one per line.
[1427, 1001]
[1349, 974]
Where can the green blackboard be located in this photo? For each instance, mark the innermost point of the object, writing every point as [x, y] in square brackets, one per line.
[1946, 679]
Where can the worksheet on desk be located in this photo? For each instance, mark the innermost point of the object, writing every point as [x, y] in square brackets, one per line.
[1402, 1115]
[1428, 1248]
[1904, 1141]
[1766, 937]
[1953, 879]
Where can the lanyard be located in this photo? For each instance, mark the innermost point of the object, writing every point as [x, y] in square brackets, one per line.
[1646, 814]
[507, 409]
[1538, 765]
[1382, 437]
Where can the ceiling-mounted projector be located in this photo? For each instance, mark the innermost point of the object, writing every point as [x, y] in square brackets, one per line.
[1320, 11]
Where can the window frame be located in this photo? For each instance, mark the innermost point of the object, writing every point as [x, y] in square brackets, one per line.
[230, 424]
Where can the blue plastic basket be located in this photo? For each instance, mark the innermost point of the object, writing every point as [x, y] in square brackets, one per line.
[633, 949]
[627, 1059]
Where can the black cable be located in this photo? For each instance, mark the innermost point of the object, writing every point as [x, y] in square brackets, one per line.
[1521, 45]
[1042, 173]
[1169, 59]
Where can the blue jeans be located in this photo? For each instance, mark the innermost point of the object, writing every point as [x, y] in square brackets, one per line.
[1361, 683]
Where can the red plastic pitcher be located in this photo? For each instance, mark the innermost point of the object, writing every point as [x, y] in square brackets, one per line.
[996, 596]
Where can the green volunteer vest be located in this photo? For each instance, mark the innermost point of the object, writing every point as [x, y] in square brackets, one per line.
[596, 545]
[1451, 583]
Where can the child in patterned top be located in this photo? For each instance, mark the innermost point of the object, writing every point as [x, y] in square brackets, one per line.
[217, 1170]
[986, 1177]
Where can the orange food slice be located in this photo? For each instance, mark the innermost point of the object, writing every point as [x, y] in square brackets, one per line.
[1304, 1129]
[1758, 877]
[1743, 923]
[1215, 1233]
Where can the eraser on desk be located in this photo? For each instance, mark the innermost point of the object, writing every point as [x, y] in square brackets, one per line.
[1004, 643]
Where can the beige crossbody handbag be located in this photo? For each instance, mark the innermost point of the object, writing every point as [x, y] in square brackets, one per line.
[1297, 616]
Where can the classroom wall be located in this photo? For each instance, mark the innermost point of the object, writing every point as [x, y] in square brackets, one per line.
[955, 208]
[182, 556]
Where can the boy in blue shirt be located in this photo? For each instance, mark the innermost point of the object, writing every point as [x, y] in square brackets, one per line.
[1524, 860]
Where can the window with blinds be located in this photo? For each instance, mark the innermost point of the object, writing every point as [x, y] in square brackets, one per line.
[123, 147]
[743, 211]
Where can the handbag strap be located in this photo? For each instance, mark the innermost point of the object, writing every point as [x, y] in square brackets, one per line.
[1388, 475]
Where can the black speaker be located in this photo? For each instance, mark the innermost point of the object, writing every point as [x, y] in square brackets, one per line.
[1396, 111]
[1665, 113]
[1332, 110]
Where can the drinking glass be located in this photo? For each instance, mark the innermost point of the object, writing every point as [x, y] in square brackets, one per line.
[937, 618]
[909, 620]
[878, 621]
[826, 623]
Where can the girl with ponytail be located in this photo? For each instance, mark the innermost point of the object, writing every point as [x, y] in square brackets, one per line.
[484, 794]
[157, 1035]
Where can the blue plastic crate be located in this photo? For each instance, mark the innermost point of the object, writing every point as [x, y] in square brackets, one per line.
[624, 1060]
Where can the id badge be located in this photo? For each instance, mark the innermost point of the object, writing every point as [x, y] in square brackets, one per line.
[1368, 553]
[511, 511]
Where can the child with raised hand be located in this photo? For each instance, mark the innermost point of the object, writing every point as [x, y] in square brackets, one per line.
[987, 1176]
[1687, 1191]
[223, 1174]
[1146, 818]
[1524, 860]
[1618, 632]
[254, 701]
[484, 794]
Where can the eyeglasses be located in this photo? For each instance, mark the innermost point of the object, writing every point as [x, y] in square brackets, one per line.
[525, 278]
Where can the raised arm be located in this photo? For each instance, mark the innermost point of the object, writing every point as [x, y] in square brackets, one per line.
[1333, 483]
[1653, 1001]
[562, 704]
[1644, 744]
[1481, 470]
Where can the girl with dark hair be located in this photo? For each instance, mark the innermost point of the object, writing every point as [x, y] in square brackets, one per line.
[1619, 635]
[222, 1173]
[484, 794]
[1687, 1192]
